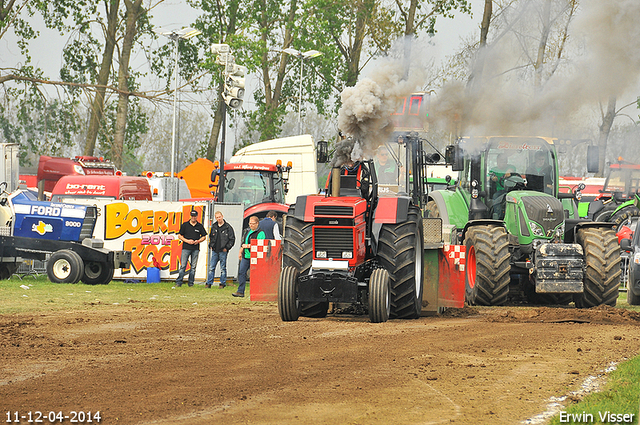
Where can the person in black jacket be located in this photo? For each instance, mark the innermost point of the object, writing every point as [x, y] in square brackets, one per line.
[221, 240]
[192, 233]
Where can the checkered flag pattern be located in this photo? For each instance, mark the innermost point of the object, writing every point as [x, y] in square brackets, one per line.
[457, 254]
[261, 249]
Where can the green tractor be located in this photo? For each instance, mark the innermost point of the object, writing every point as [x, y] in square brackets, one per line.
[618, 202]
[521, 242]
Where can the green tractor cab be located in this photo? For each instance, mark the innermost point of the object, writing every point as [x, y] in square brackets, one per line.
[523, 238]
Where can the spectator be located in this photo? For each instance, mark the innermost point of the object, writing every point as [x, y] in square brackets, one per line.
[270, 226]
[191, 233]
[221, 240]
[254, 232]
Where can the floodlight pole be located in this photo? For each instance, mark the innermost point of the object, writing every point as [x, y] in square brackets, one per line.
[300, 96]
[222, 148]
[175, 101]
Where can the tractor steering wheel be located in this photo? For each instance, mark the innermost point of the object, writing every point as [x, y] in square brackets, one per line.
[510, 183]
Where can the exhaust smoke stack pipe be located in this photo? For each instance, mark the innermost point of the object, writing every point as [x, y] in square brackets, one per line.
[335, 181]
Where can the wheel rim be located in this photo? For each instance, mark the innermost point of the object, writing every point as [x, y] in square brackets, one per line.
[93, 270]
[418, 267]
[62, 269]
[471, 267]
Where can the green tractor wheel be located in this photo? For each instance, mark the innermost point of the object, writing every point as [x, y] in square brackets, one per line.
[602, 272]
[487, 270]
[297, 252]
[624, 216]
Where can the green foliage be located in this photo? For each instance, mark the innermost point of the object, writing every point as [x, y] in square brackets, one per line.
[137, 125]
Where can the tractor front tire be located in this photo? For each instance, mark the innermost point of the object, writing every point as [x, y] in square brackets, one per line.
[65, 266]
[400, 252]
[602, 268]
[97, 273]
[288, 305]
[297, 252]
[379, 296]
[624, 216]
[487, 270]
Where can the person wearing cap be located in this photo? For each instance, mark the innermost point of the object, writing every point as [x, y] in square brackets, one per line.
[192, 233]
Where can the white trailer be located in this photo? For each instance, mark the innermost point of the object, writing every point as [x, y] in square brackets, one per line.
[300, 150]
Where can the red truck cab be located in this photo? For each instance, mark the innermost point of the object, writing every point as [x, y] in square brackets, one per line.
[97, 186]
[51, 169]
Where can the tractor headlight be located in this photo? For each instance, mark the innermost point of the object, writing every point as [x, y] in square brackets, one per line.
[347, 254]
[536, 229]
[321, 254]
[78, 169]
[636, 258]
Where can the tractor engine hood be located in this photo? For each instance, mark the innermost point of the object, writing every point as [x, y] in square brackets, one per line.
[545, 210]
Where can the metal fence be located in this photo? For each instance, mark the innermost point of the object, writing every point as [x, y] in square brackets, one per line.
[33, 268]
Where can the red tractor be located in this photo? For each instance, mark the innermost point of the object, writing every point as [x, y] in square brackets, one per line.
[358, 247]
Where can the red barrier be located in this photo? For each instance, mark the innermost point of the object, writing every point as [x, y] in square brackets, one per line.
[266, 265]
[452, 273]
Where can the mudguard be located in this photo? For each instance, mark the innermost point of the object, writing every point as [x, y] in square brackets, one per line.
[453, 208]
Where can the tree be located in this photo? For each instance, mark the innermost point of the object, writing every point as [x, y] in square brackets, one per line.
[134, 12]
[97, 105]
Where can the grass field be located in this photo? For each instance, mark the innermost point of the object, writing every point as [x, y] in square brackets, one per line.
[620, 396]
[38, 294]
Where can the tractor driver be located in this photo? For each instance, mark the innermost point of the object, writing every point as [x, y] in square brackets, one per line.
[501, 171]
[354, 168]
[497, 174]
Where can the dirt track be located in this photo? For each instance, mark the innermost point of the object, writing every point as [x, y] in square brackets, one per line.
[241, 364]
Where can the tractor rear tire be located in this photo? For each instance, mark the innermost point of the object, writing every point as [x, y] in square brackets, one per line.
[624, 216]
[288, 305]
[297, 252]
[400, 252]
[97, 273]
[379, 296]
[65, 266]
[602, 268]
[487, 270]
[632, 299]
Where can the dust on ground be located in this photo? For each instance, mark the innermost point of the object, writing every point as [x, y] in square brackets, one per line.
[233, 364]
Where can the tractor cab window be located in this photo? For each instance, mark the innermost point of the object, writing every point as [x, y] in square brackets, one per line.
[517, 164]
[623, 180]
[251, 187]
